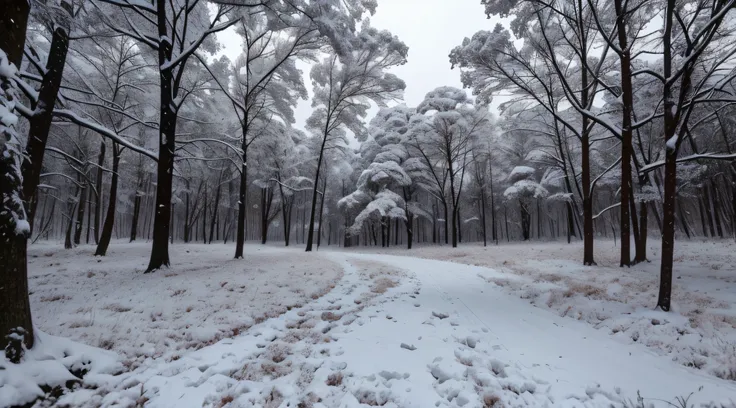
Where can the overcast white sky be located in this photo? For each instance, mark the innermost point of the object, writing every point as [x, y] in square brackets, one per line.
[431, 28]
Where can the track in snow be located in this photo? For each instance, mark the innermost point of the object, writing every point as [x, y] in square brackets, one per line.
[444, 337]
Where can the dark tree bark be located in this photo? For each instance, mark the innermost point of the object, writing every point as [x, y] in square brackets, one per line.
[80, 214]
[310, 233]
[136, 215]
[627, 97]
[454, 204]
[435, 231]
[13, 22]
[215, 208]
[634, 224]
[585, 100]
[701, 211]
[71, 206]
[383, 232]
[15, 308]
[167, 146]
[683, 221]
[494, 230]
[409, 222]
[40, 122]
[387, 226]
[240, 228]
[539, 220]
[186, 215]
[321, 211]
[670, 168]
[525, 220]
[641, 249]
[396, 233]
[266, 203]
[98, 195]
[204, 216]
[705, 194]
[446, 222]
[482, 205]
[716, 208]
[89, 214]
[171, 221]
[109, 223]
[287, 203]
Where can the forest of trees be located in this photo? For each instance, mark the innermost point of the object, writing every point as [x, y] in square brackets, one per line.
[588, 119]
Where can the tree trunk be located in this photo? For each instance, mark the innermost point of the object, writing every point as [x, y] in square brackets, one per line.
[494, 231]
[716, 208]
[80, 215]
[40, 122]
[701, 210]
[387, 226]
[705, 194]
[588, 258]
[634, 224]
[627, 97]
[446, 222]
[13, 22]
[396, 233]
[15, 308]
[454, 208]
[435, 231]
[483, 216]
[670, 168]
[683, 220]
[98, 196]
[641, 249]
[409, 223]
[107, 227]
[310, 233]
[585, 155]
[136, 214]
[70, 208]
[321, 211]
[539, 221]
[266, 200]
[89, 214]
[506, 220]
[215, 209]
[167, 146]
[525, 220]
[668, 231]
[187, 214]
[171, 223]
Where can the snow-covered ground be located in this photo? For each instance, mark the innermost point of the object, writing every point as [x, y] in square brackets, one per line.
[205, 296]
[700, 332]
[395, 331]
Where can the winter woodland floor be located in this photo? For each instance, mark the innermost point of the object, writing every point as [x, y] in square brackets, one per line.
[513, 325]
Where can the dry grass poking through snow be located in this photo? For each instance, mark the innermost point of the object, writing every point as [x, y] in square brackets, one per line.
[383, 277]
[205, 296]
[699, 333]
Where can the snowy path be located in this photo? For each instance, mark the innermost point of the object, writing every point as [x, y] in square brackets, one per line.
[570, 356]
[465, 343]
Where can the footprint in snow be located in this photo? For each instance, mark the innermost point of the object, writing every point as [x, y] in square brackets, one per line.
[337, 366]
[470, 341]
[393, 375]
[440, 315]
[439, 374]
